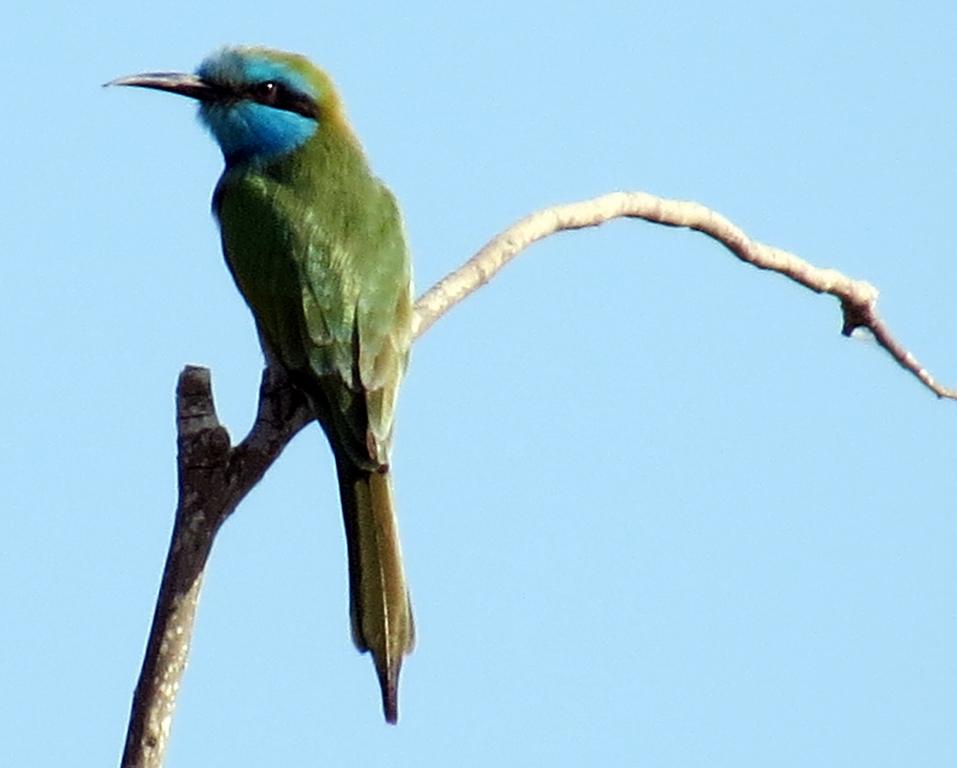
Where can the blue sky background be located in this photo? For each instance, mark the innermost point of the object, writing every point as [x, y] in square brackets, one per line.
[655, 509]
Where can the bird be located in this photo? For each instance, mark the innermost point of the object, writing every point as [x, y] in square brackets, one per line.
[316, 244]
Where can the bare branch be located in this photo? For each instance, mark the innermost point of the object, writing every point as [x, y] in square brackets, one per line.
[214, 476]
[858, 298]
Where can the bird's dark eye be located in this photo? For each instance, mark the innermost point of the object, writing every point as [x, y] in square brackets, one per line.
[266, 92]
[280, 96]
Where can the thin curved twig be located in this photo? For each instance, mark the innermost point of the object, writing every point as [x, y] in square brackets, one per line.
[858, 298]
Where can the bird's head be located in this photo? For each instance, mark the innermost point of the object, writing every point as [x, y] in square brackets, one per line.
[258, 103]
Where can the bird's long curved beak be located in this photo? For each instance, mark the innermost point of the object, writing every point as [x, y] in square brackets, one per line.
[174, 82]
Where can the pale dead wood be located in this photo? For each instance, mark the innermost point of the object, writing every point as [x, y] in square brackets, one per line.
[858, 298]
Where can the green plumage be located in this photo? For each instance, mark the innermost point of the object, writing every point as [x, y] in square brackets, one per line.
[316, 246]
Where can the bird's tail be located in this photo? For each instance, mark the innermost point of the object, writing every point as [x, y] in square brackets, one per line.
[378, 596]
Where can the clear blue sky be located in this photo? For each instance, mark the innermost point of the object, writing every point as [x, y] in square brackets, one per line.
[656, 511]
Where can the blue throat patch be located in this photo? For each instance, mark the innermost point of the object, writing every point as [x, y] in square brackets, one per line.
[246, 130]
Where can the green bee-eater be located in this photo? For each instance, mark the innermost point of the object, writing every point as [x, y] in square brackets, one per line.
[316, 245]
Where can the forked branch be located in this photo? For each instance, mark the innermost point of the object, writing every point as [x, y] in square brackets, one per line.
[215, 476]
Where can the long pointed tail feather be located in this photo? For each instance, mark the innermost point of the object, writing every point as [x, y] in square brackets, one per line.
[378, 596]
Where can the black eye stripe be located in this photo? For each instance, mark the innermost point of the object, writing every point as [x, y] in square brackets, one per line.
[275, 94]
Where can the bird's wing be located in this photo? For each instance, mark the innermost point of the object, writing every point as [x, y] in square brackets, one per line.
[357, 315]
[330, 287]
